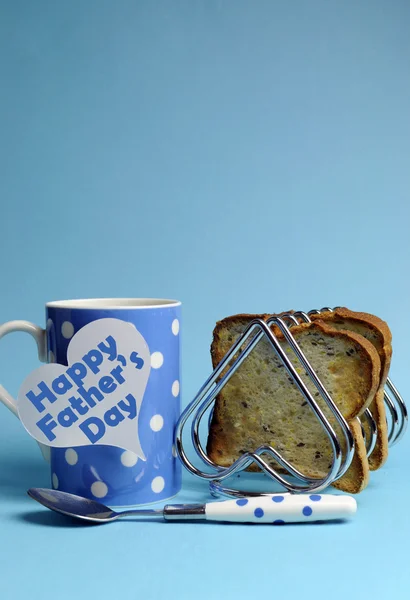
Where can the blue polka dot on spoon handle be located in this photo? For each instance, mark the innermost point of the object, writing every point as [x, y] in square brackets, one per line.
[281, 509]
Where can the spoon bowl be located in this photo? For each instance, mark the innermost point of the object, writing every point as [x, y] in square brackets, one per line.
[81, 508]
[73, 506]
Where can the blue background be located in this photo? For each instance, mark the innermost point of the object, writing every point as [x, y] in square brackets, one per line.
[238, 156]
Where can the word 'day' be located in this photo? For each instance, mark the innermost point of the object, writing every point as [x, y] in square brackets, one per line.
[97, 398]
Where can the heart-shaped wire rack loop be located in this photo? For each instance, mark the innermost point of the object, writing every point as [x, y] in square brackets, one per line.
[218, 379]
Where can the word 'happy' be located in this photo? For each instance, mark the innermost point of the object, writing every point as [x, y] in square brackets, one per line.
[84, 399]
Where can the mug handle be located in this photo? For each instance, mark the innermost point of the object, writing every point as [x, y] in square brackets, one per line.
[39, 335]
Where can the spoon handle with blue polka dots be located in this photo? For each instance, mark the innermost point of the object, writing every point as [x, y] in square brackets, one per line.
[276, 509]
[280, 509]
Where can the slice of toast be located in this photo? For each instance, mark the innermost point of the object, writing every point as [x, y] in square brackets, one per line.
[378, 333]
[261, 404]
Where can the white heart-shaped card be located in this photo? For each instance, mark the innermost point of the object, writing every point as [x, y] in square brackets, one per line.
[97, 398]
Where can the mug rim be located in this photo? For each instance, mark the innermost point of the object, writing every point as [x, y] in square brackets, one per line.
[113, 303]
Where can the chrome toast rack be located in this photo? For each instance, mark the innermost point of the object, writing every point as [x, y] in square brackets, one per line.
[294, 481]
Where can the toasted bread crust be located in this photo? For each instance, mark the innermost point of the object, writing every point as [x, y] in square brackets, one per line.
[240, 319]
[369, 355]
[377, 407]
[373, 322]
[356, 477]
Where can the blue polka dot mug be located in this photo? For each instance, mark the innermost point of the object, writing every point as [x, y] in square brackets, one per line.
[118, 476]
